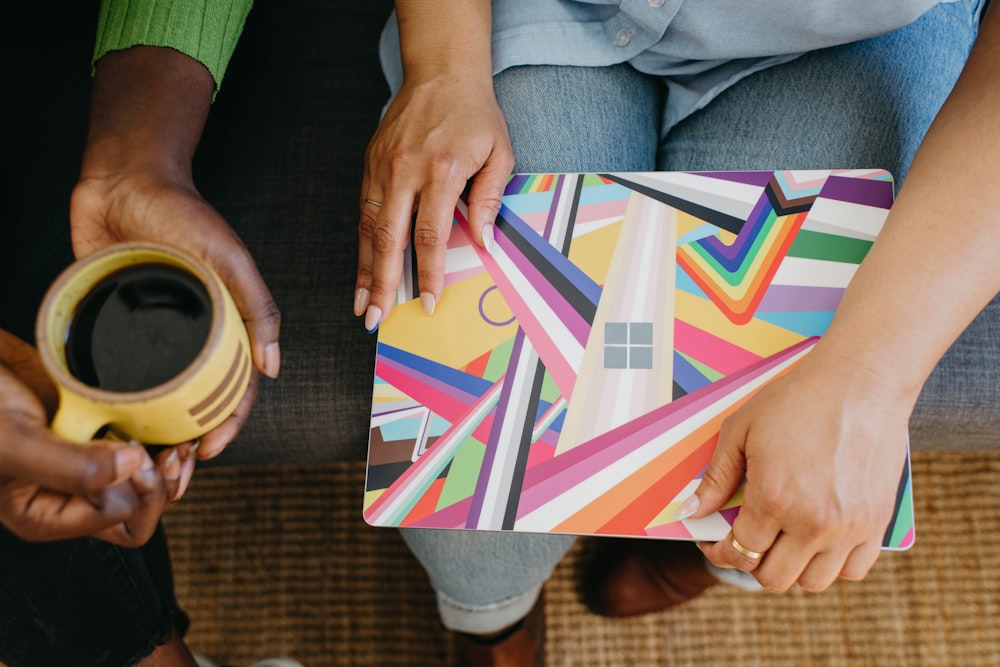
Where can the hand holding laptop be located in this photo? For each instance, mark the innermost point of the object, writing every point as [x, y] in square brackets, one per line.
[838, 533]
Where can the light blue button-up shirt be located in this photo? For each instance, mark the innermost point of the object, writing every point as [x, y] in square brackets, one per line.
[698, 47]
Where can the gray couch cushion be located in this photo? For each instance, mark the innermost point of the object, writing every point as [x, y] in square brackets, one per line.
[959, 408]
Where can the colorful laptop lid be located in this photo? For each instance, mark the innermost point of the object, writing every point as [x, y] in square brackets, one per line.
[573, 379]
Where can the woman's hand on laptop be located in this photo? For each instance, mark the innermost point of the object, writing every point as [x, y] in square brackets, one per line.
[822, 450]
[443, 129]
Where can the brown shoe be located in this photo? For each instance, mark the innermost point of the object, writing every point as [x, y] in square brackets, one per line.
[523, 645]
[636, 576]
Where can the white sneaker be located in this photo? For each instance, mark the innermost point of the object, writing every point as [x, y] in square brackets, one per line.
[205, 661]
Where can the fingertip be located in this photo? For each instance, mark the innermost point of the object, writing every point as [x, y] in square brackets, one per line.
[688, 508]
[172, 466]
[188, 449]
[145, 478]
[210, 450]
[362, 298]
[187, 473]
[128, 459]
[373, 318]
[488, 238]
[213, 443]
[255, 303]
[428, 303]
[272, 360]
[721, 480]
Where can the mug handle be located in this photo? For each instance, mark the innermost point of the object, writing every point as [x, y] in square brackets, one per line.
[76, 420]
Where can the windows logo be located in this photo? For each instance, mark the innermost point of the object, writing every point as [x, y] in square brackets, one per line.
[628, 345]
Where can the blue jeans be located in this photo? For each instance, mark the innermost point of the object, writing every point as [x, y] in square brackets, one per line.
[861, 105]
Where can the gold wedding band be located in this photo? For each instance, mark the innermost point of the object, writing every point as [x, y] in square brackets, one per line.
[373, 202]
[749, 553]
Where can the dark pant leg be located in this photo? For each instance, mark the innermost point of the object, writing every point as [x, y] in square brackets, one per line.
[78, 602]
[84, 602]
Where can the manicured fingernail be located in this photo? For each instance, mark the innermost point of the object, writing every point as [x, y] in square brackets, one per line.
[687, 508]
[488, 238]
[188, 450]
[187, 472]
[428, 302]
[272, 360]
[361, 297]
[373, 318]
[172, 466]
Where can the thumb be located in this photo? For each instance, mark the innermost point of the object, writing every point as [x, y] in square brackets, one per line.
[254, 301]
[722, 478]
[485, 196]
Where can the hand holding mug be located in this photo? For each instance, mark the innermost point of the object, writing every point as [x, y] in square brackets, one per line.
[144, 341]
[149, 106]
[51, 488]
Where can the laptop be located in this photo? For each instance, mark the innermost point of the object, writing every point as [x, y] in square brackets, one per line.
[574, 377]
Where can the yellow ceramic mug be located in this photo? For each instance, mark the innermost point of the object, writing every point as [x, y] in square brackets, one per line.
[206, 387]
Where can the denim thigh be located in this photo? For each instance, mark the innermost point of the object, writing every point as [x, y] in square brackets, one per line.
[581, 119]
[561, 119]
[866, 104]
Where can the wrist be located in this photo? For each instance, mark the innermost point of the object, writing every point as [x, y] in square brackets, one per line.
[449, 64]
[148, 110]
[445, 39]
[866, 374]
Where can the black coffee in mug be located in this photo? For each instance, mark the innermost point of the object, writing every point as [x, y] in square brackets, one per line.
[138, 328]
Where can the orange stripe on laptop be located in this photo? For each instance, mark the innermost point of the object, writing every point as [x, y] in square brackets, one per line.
[602, 510]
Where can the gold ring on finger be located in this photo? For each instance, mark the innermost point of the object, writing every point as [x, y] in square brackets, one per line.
[749, 553]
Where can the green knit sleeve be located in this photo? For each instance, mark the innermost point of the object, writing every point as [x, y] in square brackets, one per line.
[206, 30]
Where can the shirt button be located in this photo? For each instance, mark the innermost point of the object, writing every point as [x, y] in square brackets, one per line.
[656, 3]
[623, 36]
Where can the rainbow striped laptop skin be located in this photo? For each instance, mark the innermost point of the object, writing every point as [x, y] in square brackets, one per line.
[574, 377]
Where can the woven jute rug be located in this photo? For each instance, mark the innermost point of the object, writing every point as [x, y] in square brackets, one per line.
[277, 561]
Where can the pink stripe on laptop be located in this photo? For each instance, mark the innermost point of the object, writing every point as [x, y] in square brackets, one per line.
[556, 364]
[548, 480]
[546, 295]
[452, 516]
[443, 400]
[709, 349]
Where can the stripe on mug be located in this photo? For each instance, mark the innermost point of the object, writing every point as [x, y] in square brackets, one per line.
[212, 397]
[244, 376]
